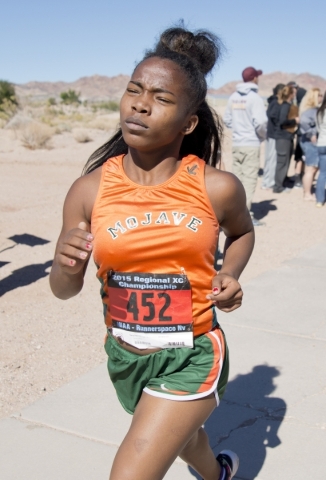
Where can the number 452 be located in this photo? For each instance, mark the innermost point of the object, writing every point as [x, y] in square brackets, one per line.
[146, 302]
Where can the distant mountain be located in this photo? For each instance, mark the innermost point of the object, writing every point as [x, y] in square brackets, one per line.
[94, 88]
[100, 87]
[267, 83]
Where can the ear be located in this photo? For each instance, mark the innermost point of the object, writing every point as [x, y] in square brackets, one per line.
[190, 125]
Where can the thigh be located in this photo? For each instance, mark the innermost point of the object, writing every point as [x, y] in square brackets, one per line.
[269, 150]
[252, 162]
[283, 148]
[158, 433]
[322, 159]
[237, 161]
[311, 154]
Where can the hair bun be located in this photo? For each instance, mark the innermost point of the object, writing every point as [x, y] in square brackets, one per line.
[203, 47]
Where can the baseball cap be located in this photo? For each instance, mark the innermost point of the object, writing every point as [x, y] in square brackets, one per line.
[250, 73]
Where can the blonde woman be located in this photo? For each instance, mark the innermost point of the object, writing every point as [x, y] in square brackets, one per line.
[308, 141]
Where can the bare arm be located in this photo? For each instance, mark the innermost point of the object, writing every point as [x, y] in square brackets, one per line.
[229, 202]
[74, 244]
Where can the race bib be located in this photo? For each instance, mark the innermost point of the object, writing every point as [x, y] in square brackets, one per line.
[151, 310]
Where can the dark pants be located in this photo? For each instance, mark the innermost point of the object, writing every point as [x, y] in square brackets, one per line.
[284, 151]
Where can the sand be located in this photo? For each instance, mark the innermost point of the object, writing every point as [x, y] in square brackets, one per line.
[46, 342]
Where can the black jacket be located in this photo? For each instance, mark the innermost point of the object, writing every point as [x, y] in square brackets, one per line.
[284, 122]
[272, 115]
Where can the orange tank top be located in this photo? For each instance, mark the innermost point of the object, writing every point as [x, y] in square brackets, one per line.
[166, 228]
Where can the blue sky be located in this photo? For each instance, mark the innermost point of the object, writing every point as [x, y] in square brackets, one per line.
[65, 40]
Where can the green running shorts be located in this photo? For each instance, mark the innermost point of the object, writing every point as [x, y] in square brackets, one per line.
[173, 373]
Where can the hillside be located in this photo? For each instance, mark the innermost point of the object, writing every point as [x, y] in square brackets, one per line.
[99, 87]
[267, 83]
[94, 88]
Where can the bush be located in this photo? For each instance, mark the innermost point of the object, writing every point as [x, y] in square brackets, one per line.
[62, 128]
[8, 100]
[104, 123]
[81, 136]
[7, 92]
[35, 135]
[52, 101]
[111, 105]
[70, 97]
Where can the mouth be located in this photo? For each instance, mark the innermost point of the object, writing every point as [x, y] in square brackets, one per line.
[135, 124]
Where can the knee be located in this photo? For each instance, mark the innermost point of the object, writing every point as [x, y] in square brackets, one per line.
[199, 437]
[125, 472]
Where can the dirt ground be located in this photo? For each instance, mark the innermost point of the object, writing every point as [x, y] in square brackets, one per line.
[46, 342]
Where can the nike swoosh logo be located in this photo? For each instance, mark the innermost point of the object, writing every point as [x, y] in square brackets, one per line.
[163, 387]
[192, 170]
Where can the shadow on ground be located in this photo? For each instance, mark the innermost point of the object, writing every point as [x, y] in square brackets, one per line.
[261, 209]
[247, 420]
[26, 239]
[24, 276]
[2, 264]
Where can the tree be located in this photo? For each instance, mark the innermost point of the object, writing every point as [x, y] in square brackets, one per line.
[8, 100]
[7, 92]
[70, 97]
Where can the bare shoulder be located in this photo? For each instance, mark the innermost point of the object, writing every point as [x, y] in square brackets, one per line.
[228, 200]
[82, 194]
[221, 185]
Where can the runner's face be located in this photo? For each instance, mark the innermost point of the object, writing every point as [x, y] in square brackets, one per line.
[153, 109]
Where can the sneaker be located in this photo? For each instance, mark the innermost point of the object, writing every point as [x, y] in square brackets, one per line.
[319, 204]
[257, 223]
[230, 461]
[298, 184]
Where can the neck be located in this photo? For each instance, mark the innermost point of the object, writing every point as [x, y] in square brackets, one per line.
[151, 168]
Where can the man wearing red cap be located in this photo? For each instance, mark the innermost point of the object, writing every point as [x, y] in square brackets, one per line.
[246, 115]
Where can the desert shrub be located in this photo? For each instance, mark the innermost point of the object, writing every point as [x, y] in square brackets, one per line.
[7, 92]
[62, 128]
[70, 97]
[52, 101]
[82, 136]
[8, 100]
[104, 123]
[35, 135]
[111, 106]
[18, 121]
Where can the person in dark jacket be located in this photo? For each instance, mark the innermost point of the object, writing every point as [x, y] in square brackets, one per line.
[298, 153]
[270, 148]
[285, 129]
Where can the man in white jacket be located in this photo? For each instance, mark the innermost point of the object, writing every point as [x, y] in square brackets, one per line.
[246, 115]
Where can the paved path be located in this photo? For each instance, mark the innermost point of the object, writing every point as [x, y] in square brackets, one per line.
[273, 414]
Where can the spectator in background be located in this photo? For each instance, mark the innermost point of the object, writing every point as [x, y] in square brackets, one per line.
[321, 148]
[245, 114]
[308, 140]
[298, 153]
[287, 124]
[270, 148]
[295, 87]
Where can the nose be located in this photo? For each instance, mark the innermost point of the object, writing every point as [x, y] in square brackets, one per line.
[141, 104]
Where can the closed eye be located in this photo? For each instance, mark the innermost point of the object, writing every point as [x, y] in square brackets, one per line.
[164, 100]
[132, 90]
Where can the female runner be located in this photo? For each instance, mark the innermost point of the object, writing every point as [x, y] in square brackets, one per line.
[149, 207]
